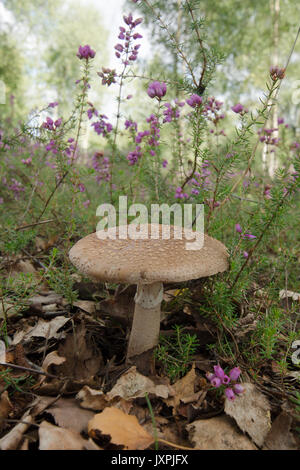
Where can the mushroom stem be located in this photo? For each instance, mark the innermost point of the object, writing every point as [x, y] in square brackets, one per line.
[146, 320]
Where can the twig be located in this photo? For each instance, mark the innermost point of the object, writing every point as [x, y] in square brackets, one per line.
[23, 227]
[34, 371]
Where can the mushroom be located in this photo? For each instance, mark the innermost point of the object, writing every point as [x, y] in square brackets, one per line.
[147, 263]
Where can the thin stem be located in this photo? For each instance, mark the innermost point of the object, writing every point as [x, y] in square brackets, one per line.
[112, 160]
[171, 36]
[201, 44]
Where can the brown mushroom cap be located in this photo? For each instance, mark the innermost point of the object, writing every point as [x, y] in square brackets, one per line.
[147, 261]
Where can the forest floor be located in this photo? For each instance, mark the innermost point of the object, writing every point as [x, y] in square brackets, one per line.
[66, 385]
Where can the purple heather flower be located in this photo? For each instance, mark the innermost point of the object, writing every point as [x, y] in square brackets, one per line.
[280, 121]
[50, 146]
[235, 373]
[86, 203]
[179, 194]
[238, 388]
[245, 254]
[130, 124]
[85, 52]
[238, 228]
[225, 380]
[277, 73]
[210, 376]
[216, 382]
[134, 156]
[230, 394]
[81, 187]
[137, 21]
[194, 100]
[119, 47]
[165, 163]
[101, 127]
[128, 19]
[157, 89]
[28, 161]
[238, 108]
[58, 122]
[249, 236]
[53, 104]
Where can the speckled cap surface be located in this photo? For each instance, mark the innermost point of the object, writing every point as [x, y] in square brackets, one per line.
[147, 260]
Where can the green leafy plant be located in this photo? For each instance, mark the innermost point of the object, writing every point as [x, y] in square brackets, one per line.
[175, 353]
[15, 384]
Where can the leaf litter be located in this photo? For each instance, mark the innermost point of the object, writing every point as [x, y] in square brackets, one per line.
[76, 393]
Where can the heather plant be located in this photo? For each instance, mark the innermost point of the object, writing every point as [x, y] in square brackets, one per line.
[175, 353]
[227, 383]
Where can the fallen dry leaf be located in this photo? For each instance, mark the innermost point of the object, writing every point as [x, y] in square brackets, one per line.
[251, 411]
[92, 399]
[43, 329]
[22, 266]
[50, 298]
[5, 407]
[280, 437]
[124, 430]
[67, 414]
[218, 433]
[183, 388]
[51, 359]
[12, 440]
[83, 361]
[86, 305]
[25, 445]
[55, 438]
[133, 385]
[8, 310]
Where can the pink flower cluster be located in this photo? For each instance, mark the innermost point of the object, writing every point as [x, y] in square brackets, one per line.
[247, 235]
[172, 111]
[101, 166]
[157, 89]
[194, 101]
[51, 125]
[129, 51]
[108, 76]
[102, 127]
[266, 136]
[277, 73]
[134, 156]
[239, 109]
[153, 135]
[179, 194]
[85, 52]
[212, 110]
[219, 378]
